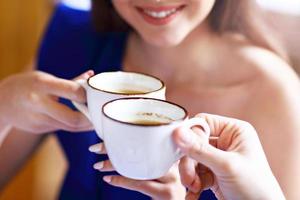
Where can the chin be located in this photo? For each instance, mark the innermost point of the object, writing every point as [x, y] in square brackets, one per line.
[164, 40]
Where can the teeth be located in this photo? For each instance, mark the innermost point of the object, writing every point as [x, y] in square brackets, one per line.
[161, 14]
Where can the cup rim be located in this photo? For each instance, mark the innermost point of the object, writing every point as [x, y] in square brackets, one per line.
[145, 125]
[127, 94]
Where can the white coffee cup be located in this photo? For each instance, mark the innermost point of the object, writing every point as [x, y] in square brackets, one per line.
[107, 86]
[137, 135]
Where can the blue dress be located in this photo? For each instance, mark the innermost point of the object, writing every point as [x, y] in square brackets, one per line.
[70, 46]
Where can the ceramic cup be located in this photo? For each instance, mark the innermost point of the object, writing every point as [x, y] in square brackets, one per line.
[137, 135]
[107, 86]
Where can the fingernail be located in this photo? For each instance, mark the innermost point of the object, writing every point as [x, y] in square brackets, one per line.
[90, 72]
[96, 148]
[107, 179]
[98, 166]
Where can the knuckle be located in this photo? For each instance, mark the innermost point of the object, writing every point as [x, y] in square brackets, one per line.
[42, 81]
[38, 77]
[202, 115]
[205, 116]
[247, 125]
[75, 91]
[34, 98]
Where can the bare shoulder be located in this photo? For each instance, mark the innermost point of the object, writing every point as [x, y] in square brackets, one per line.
[274, 87]
[268, 68]
[274, 76]
[275, 101]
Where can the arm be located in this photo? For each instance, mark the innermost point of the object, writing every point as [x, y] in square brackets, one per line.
[15, 150]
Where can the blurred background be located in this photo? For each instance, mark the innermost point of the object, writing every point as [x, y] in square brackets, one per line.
[21, 28]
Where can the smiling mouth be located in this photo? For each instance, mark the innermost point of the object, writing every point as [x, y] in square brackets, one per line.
[160, 15]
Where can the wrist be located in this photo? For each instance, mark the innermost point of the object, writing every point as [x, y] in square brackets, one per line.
[4, 130]
[4, 126]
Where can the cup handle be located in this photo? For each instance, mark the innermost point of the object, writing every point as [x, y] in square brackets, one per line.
[196, 121]
[81, 106]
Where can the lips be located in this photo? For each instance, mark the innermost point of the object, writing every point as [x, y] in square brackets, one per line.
[160, 15]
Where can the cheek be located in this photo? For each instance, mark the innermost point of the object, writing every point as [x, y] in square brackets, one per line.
[125, 9]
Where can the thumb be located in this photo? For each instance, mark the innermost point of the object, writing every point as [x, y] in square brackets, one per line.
[198, 148]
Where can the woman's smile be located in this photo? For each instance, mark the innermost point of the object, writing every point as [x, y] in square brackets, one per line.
[159, 15]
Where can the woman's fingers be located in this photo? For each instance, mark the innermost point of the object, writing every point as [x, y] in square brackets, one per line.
[188, 174]
[44, 124]
[63, 88]
[194, 146]
[64, 114]
[171, 176]
[98, 148]
[104, 166]
[195, 177]
[151, 188]
[206, 177]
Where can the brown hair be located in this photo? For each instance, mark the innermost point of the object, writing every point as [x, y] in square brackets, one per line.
[237, 16]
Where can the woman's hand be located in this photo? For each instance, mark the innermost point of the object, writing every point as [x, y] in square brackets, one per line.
[168, 187]
[29, 101]
[238, 168]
